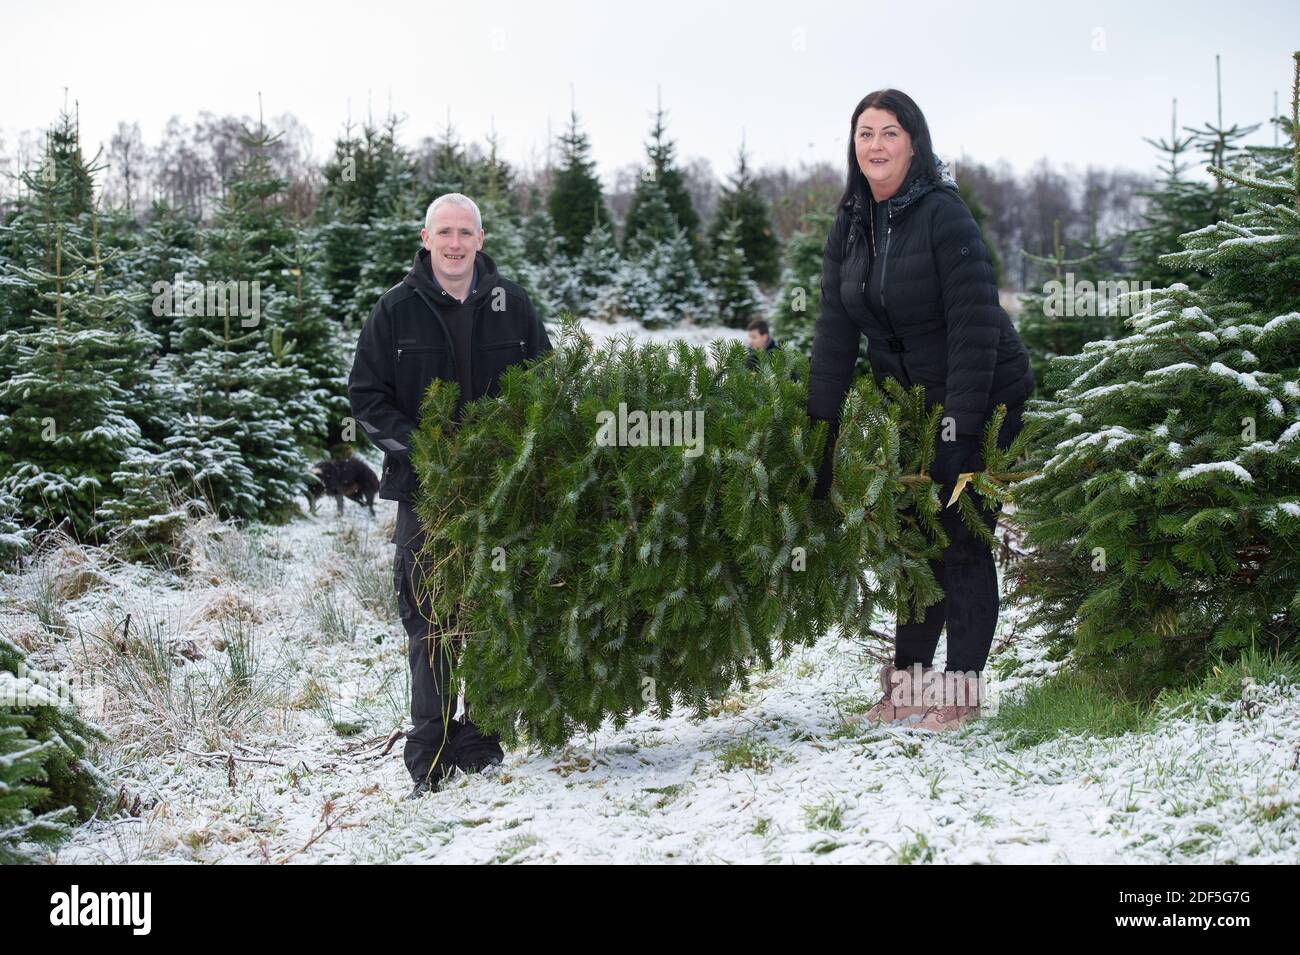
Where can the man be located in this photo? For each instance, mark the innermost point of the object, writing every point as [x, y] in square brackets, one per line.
[454, 318]
[760, 340]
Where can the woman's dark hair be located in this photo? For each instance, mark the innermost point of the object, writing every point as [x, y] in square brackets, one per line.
[911, 119]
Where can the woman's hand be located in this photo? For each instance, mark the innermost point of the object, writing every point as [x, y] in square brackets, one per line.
[953, 458]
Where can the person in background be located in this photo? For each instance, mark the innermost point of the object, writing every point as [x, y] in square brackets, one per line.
[759, 336]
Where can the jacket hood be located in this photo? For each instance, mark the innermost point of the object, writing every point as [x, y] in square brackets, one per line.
[420, 277]
[914, 187]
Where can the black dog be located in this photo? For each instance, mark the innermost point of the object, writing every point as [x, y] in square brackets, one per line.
[340, 478]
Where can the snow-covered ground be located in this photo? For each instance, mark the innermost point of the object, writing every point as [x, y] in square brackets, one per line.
[249, 703]
[776, 774]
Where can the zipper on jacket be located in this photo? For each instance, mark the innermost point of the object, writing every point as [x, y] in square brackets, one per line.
[511, 344]
[416, 348]
[884, 259]
[889, 322]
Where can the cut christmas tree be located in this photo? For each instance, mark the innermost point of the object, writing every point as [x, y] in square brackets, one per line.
[632, 527]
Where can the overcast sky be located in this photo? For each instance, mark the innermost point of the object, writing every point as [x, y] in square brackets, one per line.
[1079, 83]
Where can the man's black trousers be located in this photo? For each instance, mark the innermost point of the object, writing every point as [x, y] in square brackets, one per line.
[438, 743]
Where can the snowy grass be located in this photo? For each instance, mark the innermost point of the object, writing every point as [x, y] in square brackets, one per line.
[251, 703]
[254, 733]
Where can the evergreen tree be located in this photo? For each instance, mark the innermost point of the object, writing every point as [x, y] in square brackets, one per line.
[65, 415]
[741, 200]
[591, 285]
[55, 199]
[47, 782]
[365, 173]
[1165, 518]
[304, 337]
[493, 180]
[67, 190]
[167, 256]
[576, 202]
[204, 458]
[371, 179]
[735, 292]
[662, 286]
[669, 185]
[449, 169]
[548, 277]
[659, 283]
[794, 317]
[121, 240]
[392, 243]
[1221, 145]
[393, 231]
[636, 296]
[540, 241]
[504, 240]
[234, 442]
[166, 260]
[1074, 308]
[244, 405]
[15, 539]
[147, 518]
[656, 221]
[1177, 205]
[341, 245]
[251, 222]
[683, 291]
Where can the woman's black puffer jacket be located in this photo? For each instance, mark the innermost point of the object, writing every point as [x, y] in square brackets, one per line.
[934, 317]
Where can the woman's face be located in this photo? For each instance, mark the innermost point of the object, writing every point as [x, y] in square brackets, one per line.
[884, 150]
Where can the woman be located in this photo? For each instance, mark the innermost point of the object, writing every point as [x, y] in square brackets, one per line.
[905, 265]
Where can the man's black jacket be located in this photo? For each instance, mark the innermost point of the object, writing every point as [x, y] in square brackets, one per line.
[933, 318]
[405, 345]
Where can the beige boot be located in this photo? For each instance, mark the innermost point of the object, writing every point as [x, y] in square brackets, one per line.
[883, 711]
[962, 701]
[902, 698]
[909, 698]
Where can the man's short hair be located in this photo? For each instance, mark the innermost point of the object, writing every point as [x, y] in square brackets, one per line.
[453, 199]
[758, 325]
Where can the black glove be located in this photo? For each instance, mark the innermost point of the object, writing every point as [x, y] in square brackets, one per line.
[826, 473]
[952, 458]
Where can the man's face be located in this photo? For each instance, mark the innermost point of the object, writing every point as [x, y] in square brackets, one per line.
[452, 243]
[757, 339]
